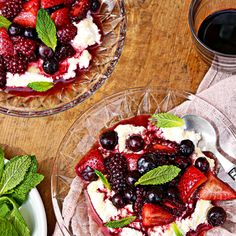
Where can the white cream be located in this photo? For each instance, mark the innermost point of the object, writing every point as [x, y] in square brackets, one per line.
[130, 232]
[178, 134]
[84, 59]
[23, 80]
[87, 33]
[124, 132]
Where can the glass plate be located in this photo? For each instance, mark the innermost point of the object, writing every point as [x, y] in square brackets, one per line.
[113, 23]
[126, 104]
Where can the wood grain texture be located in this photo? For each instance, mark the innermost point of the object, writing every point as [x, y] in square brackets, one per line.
[158, 51]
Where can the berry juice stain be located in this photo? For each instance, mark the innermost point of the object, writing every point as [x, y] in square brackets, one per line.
[218, 31]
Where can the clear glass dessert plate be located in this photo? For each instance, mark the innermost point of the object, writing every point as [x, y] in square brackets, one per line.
[113, 24]
[126, 104]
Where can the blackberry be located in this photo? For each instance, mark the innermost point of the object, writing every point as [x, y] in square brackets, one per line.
[183, 162]
[16, 64]
[24, 46]
[117, 169]
[64, 51]
[140, 200]
[67, 33]
[12, 8]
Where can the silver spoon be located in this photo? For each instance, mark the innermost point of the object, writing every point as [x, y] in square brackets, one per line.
[209, 140]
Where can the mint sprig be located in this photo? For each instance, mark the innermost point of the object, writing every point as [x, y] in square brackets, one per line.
[120, 223]
[167, 120]
[176, 229]
[4, 22]
[40, 86]
[159, 175]
[46, 29]
[103, 179]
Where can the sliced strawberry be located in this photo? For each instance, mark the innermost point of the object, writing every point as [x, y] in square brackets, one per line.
[216, 190]
[189, 182]
[93, 159]
[132, 160]
[61, 17]
[165, 146]
[6, 45]
[154, 215]
[80, 9]
[50, 3]
[28, 15]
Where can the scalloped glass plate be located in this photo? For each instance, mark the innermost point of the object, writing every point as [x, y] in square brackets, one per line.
[126, 104]
[113, 23]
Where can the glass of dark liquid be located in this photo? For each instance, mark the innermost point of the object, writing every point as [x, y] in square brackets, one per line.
[213, 27]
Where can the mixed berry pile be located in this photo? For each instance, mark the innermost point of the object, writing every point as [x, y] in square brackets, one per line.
[20, 44]
[156, 205]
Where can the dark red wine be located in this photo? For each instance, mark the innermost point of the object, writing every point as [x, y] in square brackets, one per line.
[218, 31]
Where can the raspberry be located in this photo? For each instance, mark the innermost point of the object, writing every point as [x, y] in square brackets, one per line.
[3, 79]
[12, 8]
[64, 51]
[16, 64]
[24, 46]
[67, 33]
[117, 169]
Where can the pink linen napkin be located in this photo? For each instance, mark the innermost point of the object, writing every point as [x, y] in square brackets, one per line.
[217, 89]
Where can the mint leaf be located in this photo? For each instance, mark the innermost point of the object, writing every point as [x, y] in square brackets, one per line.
[120, 223]
[4, 210]
[103, 179]
[6, 228]
[40, 86]
[176, 229]
[159, 175]
[46, 29]
[1, 162]
[21, 192]
[4, 22]
[16, 218]
[167, 120]
[14, 173]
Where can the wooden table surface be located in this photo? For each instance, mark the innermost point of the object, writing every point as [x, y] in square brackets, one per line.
[158, 50]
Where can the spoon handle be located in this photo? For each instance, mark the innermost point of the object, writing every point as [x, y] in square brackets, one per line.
[227, 165]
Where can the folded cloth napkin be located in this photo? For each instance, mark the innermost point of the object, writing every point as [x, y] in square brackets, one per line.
[217, 89]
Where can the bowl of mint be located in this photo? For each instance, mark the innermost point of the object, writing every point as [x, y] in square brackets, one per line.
[21, 209]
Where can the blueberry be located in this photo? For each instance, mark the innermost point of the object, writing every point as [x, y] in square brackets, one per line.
[88, 174]
[172, 193]
[45, 52]
[183, 162]
[135, 143]
[30, 33]
[146, 163]
[109, 140]
[50, 66]
[132, 177]
[130, 195]
[202, 164]
[186, 147]
[216, 216]
[154, 195]
[15, 29]
[118, 201]
[95, 5]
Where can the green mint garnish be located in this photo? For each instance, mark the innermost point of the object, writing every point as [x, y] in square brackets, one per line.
[14, 173]
[103, 179]
[167, 120]
[159, 175]
[176, 229]
[120, 223]
[4, 22]
[40, 86]
[46, 29]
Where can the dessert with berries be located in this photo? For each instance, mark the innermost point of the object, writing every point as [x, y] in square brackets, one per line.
[44, 43]
[147, 176]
